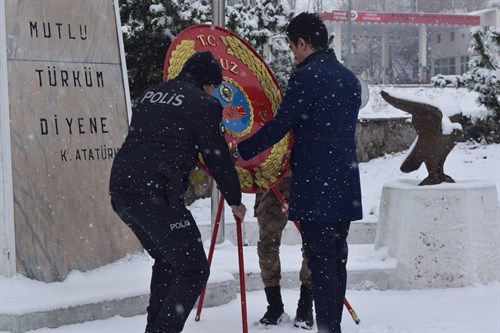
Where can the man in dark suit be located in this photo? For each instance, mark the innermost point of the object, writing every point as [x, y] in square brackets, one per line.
[320, 106]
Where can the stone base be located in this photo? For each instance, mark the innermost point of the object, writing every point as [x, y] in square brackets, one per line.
[220, 291]
[126, 307]
[359, 233]
[444, 235]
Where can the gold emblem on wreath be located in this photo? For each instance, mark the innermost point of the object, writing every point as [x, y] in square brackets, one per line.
[230, 95]
[226, 93]
[268, 172]
[246, 180]
[237, 48]
[179, 56]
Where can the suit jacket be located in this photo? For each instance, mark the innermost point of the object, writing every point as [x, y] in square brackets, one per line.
[320, 106]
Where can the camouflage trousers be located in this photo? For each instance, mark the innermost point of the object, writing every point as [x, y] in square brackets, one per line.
[272, 221]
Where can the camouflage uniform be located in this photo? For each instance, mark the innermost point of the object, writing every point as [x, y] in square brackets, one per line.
[272, 221]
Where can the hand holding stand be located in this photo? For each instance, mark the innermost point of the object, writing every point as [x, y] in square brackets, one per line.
[239, 236]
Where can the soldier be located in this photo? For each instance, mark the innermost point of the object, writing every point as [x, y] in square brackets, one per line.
[272, 221]
[172, 123]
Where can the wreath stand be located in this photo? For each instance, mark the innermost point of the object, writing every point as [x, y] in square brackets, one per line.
[239, 237]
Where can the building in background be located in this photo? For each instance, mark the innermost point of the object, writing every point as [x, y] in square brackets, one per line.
[391, 48]
[450, 45]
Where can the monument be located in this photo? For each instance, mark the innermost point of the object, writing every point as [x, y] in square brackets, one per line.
[442, 231]
[64, 114]
[437, 131]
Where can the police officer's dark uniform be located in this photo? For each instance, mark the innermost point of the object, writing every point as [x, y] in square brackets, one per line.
[171, 124]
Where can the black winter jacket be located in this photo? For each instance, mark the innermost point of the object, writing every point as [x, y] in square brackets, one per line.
[171, 124]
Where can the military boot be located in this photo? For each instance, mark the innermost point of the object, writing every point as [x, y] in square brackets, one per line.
[304, 317]
[275, 307]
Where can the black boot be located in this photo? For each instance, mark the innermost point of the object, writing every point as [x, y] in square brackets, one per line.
[275, 307]
[304, 317]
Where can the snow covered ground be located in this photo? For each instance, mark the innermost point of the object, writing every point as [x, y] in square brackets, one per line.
[466, 310]
[472, 309]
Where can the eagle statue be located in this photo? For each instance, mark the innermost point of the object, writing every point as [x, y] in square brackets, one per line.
[437, 130]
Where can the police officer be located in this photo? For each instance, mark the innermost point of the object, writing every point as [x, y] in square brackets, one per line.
[172, 123]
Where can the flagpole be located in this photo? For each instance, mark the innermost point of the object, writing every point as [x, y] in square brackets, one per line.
[218, 10]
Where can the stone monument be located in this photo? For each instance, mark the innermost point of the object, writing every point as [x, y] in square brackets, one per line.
[64, 113]
[443, 232]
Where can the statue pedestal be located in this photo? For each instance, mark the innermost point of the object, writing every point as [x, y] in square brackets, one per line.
[444, 235]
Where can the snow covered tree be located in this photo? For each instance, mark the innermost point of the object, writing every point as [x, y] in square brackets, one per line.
[453, 6]
[378, 5]
[484, 74]
[149, 27]
[263, 27]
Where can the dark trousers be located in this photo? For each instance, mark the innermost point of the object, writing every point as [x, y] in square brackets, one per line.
[326, 251]
[180, 269]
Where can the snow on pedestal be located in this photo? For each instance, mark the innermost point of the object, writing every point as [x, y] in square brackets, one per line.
[444, 235]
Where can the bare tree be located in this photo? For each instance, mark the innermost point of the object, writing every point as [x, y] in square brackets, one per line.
[424, 6]
[453, 6]
[317, 6]
[493, 4]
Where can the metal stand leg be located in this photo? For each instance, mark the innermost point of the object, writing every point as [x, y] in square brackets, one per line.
[210, 253]
[239, 235]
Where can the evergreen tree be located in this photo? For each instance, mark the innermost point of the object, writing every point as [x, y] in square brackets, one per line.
[262, 26]
[149, 26]
[484, 73]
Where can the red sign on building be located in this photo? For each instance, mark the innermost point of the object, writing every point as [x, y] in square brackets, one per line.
[402, 18]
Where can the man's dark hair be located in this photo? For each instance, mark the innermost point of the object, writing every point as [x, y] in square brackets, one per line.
[310, 27]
